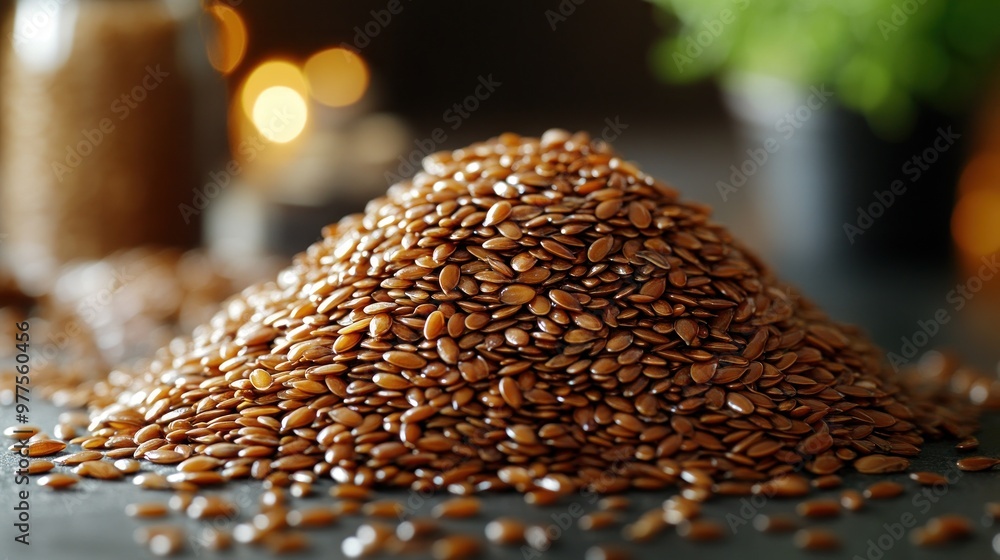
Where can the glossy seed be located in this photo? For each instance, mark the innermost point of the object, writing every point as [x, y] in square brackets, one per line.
[816, 539]
[457, 508]
[98, 469]
[881, 464]
[146, 509]
[775, 523]
[852, 500]
[505, 531]
[456, 547]
[701, 530]
[58, 480]
[818, 508]
[977, 463]
[883, 490]
[43, 448]
[606, 552]
[418, 529]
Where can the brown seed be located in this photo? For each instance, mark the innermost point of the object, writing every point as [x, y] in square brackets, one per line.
[537, 537]
[816, 539]
[701, 530]
[827, 482]
[383, 508]
[146, 509]
[883, 489]
[98, 469]
[739, 403]
[614, 503]
[606, 552]
[261, 379]
[207, 507]
[151, 481]
[977, 463]
[286, 542]
[346, 417]
[21, 433]
[993, 510]
[199, 463]
[165, 544]
[456, 547]
[881, 464]
[505, 531]
[457, 508]
[970, 443]
[942, 529]
[215, 539]
[775, 523]
[164, 457]
[418, 529]
[517, 294]
[39, 466]
[818, 508]
[852, 500]
[58, 480]
[597, 520]
[925, 478]
[43, 448]
[350, 492]
[405, 360]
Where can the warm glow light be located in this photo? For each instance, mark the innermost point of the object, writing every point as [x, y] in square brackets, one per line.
[280, 114]
[974, 222]
[230, 43]
[337, 77]
[270, 74]
[982, 171]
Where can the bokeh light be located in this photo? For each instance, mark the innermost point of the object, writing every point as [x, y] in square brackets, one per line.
[280, 114]
[974, 222]
[270, 74]
[226, 49]
[337, 77]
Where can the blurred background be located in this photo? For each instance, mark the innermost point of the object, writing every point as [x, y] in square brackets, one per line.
[158, 155]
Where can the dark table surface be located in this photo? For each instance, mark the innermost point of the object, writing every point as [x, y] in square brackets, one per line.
[88, 522]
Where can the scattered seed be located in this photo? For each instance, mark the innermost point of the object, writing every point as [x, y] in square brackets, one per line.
[883, 490]
[818, 508]
[701, 530]
[505, 531]
[852, 500]
[775, 523]
[816, 539]
[98, 469]
[58, 480]
[146, 509]
[457, 508]
[456, 547]
[977, 463]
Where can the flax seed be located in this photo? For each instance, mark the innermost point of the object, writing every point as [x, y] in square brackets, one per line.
[816, 539]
